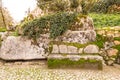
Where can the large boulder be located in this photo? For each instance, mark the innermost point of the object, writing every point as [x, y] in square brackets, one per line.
[18, 48]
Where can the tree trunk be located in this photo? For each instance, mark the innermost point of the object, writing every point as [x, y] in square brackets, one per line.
[3, 18]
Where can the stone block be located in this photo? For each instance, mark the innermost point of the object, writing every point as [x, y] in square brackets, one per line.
[91, 49]
[55, 49]
[72, 50]
[63, 49]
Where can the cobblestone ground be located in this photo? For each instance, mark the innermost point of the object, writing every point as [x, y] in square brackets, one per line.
[41, 72]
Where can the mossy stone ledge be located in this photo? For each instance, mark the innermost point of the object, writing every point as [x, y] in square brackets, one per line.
[75, 61]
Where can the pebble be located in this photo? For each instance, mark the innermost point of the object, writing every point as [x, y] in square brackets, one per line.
[35, 72]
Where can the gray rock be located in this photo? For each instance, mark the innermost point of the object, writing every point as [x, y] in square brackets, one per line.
[18, 48]
[63, 49]
[91, 49]
[55, 49]
[72, 50]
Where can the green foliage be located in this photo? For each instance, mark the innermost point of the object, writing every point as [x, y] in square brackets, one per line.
[66, 5]
[60, 23]
[15, 33]
[3, 29]
[66, 63]
[102, 6]
[105, 20]
[117, 38]
[56, 24]
[117, 47]
[100, 40]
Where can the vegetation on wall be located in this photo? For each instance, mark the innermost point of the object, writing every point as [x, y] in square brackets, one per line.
[56, 24]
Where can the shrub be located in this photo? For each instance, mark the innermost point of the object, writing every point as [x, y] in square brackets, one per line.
[56, 24]
[102, 6]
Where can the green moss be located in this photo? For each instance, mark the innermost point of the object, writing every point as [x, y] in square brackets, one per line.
[15, 33]
[50, 48]
[117, 47]
[100, 40]
[66, 63]
[78, 45]
[117, 38]
[2, 29]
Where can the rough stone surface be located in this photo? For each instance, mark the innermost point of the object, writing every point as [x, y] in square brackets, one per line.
[112, 52]
[4, 35]
[82, 34]
[108, 45]
[72, 50]
[117, 42]
[18, 48]
[78, 36]
[55, 49]
[80, 50]
[63, 49]
[91, 49]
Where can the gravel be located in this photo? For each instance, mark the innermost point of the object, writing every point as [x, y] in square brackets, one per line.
[41, 72]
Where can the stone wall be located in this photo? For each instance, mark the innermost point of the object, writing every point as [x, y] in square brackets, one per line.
[67, 49]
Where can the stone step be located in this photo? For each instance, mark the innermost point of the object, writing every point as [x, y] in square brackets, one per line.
[75, 61]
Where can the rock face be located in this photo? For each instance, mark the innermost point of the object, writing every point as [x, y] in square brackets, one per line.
[91, 49]
[18, 48]
[78, 36]
[82, 34]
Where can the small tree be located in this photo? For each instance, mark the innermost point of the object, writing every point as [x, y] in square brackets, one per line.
[66, 5]
[103, 5]
[3, 19]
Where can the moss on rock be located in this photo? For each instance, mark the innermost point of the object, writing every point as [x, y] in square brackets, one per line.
[81, 63]
[78, 45]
